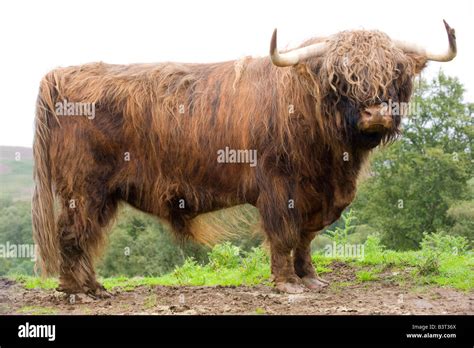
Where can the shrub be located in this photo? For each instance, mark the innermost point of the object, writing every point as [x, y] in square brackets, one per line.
[444, 243]
[373, 245]
[429, 263]
[187, 273]
[340, 235]
[224, 255]
[254, 260]
[366, 276]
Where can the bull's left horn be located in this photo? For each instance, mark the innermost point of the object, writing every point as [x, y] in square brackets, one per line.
[438, 57]
[293, 57]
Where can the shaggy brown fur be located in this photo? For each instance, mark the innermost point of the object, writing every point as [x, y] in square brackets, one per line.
[246, 104]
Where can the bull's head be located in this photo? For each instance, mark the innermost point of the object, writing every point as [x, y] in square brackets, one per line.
[364, 71]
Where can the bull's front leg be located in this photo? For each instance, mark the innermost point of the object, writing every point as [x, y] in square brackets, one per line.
[283, 271]
[302, 255]
[281, 224]
[303, 263]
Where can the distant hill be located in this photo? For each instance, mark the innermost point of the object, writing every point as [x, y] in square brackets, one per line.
[16, 172]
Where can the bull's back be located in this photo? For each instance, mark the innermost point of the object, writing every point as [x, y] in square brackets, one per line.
[155, 127]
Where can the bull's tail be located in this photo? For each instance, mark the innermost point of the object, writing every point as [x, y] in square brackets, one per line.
[44, 227]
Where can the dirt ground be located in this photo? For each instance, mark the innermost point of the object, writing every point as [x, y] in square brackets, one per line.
[344, 296]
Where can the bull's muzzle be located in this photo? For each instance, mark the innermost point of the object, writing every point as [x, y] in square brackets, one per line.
[375, 119]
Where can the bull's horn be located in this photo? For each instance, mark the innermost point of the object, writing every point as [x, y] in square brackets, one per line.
[294, 56]
[438, 57]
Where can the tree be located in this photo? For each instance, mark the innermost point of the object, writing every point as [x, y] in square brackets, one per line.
[15, 229]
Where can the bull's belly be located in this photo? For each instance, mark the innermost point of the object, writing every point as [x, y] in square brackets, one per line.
[183, 199]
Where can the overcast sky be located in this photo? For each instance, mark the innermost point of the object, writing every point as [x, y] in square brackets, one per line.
[37, 36]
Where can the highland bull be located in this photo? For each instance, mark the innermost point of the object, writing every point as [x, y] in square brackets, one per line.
[311, 114]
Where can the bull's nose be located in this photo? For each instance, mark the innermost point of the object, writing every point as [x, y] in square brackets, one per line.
[374, 119]
[371, 117]
[375, 111]
[367, 114]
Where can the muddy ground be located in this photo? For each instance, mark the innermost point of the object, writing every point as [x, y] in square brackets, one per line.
[344, 296]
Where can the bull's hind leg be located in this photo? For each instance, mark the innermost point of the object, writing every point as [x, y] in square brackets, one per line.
[81, 229]
[303, 264]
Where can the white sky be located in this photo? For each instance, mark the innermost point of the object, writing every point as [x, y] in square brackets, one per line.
[37, 36]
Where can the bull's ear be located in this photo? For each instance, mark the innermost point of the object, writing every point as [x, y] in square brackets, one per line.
[419, 62]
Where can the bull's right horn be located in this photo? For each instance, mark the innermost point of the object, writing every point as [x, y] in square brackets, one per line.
[293, 57]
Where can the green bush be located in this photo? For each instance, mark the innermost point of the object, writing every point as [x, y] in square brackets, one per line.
[443, 243]
[373, 245]
[340, 235]
[188, 272]
[429, 263]
[254, 260]
[224, 255]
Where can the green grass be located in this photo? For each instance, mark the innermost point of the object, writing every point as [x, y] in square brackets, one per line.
[30, 282]
[456, 272]
[37, 310]
[339, 285]
[251, 268]
[229, 266]
[424, 266]
[366, 276]
[225, 268]
[322, 263]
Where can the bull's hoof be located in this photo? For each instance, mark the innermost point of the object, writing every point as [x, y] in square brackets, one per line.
[99, 293]
[67, 290]
[322, 280]
[289, 288]
[315, 283]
